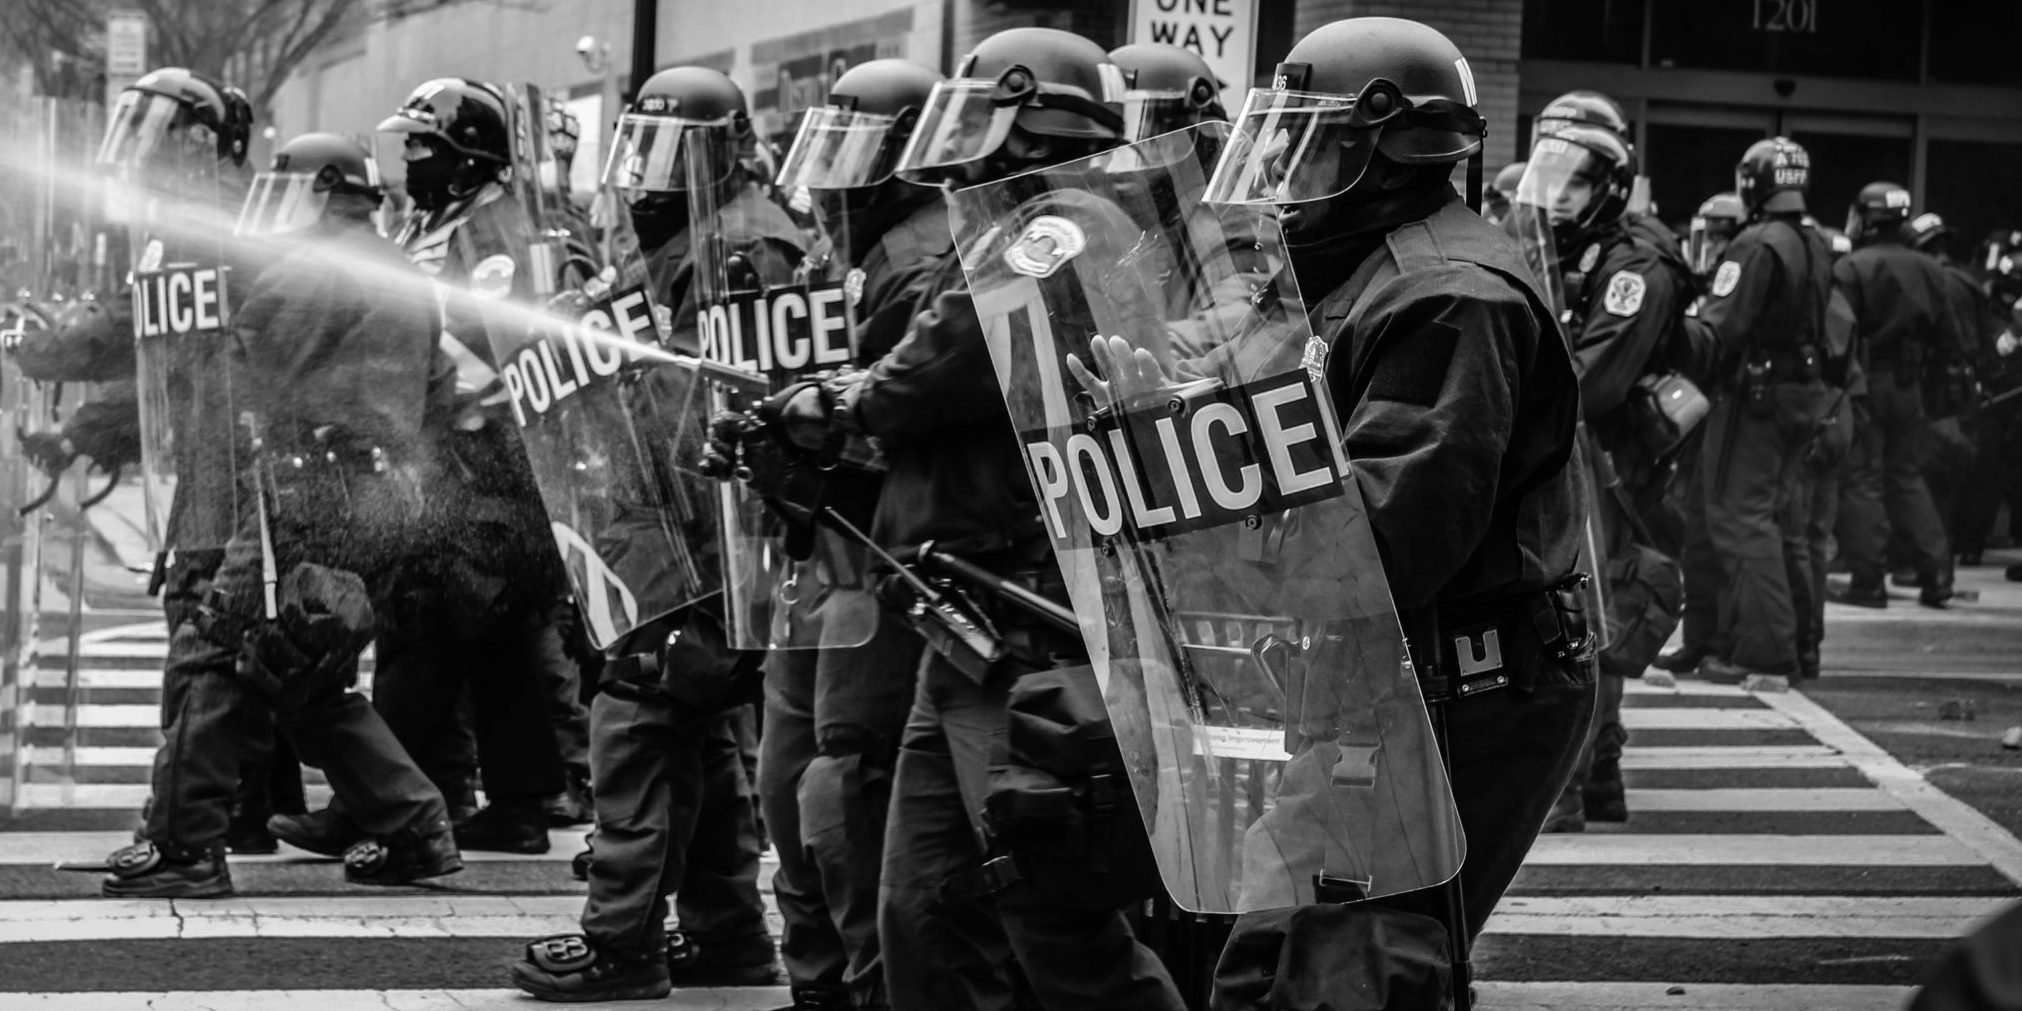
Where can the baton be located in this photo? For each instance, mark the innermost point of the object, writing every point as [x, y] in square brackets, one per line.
[111, 485]
[1003, 589]
[2001, 398]
[42, 499]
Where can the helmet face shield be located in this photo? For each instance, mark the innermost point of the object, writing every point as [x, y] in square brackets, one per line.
[1562, 179]
[281, 202]
[158, 133]
[1291, 147]
[964, 121]
[1706, 242]
[1148, 114]
[648, 156]
[839, 148]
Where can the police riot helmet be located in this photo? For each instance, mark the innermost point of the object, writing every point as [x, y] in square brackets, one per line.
[467, 118]
[855, 139]
[2001, 259]
[1581, 176]
[294, 191]
[1772, 176]
[1928, 232]
[172, 114]
[457, 140]
[1590, 108]
[1044, 81]
[1877, 213]
[1506, 180]
[648, 153]
[1346, 92]
[1717, 222]
[565, 131]
[1167, 88]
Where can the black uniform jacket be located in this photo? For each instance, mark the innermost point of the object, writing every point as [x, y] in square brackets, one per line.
[1898, 299]
[1457, 393]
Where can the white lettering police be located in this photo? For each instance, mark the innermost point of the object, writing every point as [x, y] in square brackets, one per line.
[179, 301]
[781, 332]
[555, 366]
[1203, 461]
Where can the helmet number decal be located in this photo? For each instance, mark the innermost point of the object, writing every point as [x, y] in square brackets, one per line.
[1466, 80]
[1726, 279]
[1625, 293]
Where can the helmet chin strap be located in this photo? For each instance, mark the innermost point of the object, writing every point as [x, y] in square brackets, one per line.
[1474, 180]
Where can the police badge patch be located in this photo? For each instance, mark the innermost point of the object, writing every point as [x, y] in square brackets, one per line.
[1625, 293]
[1725, 279]
[1048, 243]
[853, 285]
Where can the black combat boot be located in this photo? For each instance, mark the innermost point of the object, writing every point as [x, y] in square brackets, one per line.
[404, 857]
[567, 968]
[144, 870]
[325, 833]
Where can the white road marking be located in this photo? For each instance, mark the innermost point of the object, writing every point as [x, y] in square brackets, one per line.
[1779, 850]
[1706, 719]
[742, 998]
[1957, 819]
[1762, 800]
[1796, 756]
[1686, 686]
[30, 848]
[1743, 916]
[1655, 996]
[339, 917]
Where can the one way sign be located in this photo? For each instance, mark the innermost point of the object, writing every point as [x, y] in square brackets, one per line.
[1223, 32]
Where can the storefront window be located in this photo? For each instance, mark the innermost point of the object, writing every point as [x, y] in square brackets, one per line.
[1606, 31]
[1975, 185]
[1830, 38]
[1975, 43]
[1687, 164]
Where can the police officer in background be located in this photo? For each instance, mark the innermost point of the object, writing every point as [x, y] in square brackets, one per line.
[1459, 402]
[1969, 497]
[950, 929]
[675, 812]
[1906, 333]
[1626, 298]
[1717, 222]
[476, 611]
[833, 717]
[334, 346]
[1764, 319]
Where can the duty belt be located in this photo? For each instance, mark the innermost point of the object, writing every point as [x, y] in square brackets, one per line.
[1480, 649]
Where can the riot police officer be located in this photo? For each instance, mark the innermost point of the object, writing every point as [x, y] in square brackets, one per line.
[334, 343]
[1459, 404]
[1976, 497]
[1714, 225]
[674, 804]
[477, 609]
[833, 717]
[1765, 313]
[1626, 298]
[1023, 99]
[1501, 192]
[1906, 333]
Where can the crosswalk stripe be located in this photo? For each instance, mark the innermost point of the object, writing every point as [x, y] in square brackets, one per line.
[1776, 850]
[1794, 756]
[1742, 916]
[193, 919]
[1706, 719]
[42, 714]
[1639, 687]
[52, 757]
[1580, 996]
[32, 848]
[1762, 800]
[741, 998]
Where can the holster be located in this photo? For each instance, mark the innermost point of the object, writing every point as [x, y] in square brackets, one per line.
[1477, 648]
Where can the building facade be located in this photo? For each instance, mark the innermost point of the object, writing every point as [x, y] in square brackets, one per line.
[1922, 92]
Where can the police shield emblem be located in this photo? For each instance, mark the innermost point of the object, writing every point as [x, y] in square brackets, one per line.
[1188, 468]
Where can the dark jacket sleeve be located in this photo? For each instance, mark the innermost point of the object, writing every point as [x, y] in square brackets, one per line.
[1621, 331]
[938, 376]
[1433, 394]
[1733, 318]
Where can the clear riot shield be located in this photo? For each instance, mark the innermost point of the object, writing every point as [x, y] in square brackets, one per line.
[787, 584]
[613, 432]
[180, 215]
[1544, 180]
[1189, 471]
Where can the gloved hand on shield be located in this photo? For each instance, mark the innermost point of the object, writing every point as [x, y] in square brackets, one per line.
[50, 452]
